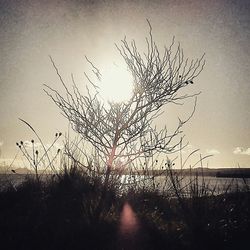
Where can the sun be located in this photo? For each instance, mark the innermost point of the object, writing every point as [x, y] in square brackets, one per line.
[116, 83]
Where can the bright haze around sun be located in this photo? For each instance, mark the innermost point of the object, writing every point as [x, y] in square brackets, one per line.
[116, 83]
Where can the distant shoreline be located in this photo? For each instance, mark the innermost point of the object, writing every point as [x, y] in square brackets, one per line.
[212, 172]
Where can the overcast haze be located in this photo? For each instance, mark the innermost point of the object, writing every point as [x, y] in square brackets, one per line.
[68, 30]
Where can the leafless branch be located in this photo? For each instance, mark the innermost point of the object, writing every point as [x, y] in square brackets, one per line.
[124, 129]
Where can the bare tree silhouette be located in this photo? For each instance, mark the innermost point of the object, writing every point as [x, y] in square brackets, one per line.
[124, 130]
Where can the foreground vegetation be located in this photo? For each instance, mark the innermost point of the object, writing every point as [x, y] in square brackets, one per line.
[60, 213]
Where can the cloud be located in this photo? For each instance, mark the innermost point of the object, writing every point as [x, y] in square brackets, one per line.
[213, 151]
[29, 144]
[55, 146]
[39, 146]
[10, 162]
[241, 151]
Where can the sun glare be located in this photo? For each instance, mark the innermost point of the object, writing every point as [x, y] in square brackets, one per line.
[116, 83]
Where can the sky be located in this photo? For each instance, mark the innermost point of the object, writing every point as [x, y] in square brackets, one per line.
[32, 30]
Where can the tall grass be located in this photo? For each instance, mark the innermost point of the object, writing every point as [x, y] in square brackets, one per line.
[60, 211]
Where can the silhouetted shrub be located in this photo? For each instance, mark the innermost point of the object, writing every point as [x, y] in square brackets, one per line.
[59, 213]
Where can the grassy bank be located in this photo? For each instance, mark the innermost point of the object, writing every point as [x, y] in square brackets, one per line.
[60, 213]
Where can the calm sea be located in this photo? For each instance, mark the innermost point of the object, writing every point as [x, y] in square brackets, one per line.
[209, 184]
[206, 184]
